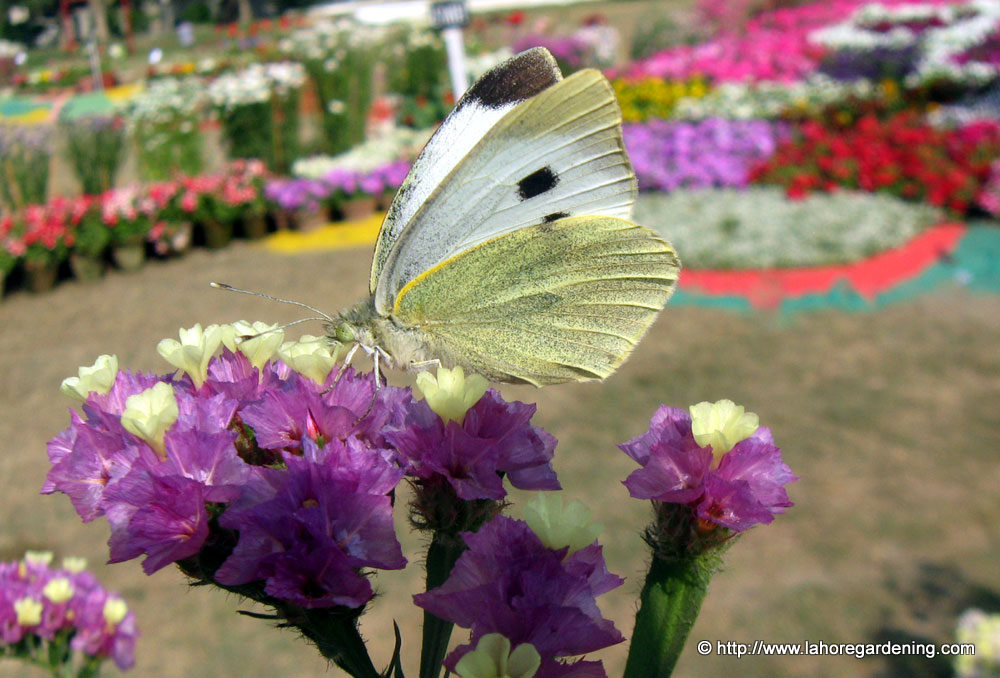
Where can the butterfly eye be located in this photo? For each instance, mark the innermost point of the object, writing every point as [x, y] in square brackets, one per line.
[345, 333]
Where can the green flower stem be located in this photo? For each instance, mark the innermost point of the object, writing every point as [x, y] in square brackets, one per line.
[671, 598]
[441, 558]
[333, 630]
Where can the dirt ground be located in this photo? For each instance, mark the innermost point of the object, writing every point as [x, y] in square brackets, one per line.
[889, 419]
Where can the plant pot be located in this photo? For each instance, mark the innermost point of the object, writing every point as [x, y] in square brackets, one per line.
[284, 220]
[357, 209]
[386, 199]
[41, 276]
[218, 234]
[130, 255]
[180, 241]
[310, 220]
[254, 226]
[86, 267]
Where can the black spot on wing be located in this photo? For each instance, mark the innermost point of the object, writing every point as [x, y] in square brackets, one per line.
[537, 183]
[555, 216]
[516, 79]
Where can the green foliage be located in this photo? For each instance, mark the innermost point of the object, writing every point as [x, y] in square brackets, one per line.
[94, 148]
[24, 166]
[268, 130]
[344, 89]
[653, 34]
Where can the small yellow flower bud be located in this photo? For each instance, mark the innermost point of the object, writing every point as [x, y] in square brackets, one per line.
[38, 557]
[721, 425]
[492, 658]
[265, 340]
[74, 565]
[58, 590]
[98, 378]
[312, 357]
[114, 611]
[29, 611]
[558, 524]
[451, 393]
[192, 353]
[149, 414]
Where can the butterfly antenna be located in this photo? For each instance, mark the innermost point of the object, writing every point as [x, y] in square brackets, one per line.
[230, 288]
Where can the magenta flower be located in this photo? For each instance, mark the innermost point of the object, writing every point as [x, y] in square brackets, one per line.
[738, 489]
[495, 438]
[36, 600]
[310, 529]
[508, 582]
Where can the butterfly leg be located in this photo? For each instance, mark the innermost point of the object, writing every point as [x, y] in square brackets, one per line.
[347, 361]
[424, 364]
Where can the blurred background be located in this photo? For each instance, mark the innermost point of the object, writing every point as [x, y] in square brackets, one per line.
[828, 171]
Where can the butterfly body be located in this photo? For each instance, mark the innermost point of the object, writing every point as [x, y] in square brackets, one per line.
[508, 249]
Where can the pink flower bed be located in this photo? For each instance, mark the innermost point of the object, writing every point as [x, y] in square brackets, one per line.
[774, 47]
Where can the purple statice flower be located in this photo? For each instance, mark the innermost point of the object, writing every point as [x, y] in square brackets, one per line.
[36, 600]
[743, 488]
[670, 155]
[509, 582]
[495, 439]
[310, 529]
[293, 408]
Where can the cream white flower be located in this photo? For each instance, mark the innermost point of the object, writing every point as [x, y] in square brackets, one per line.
[28, 611]
[38, 557]
[492, 658]
[312, 357]
[721, 425]
[560, 524]
[150, 413]
[98, 378]
[74, 565]
[192, 353]
[450, 394]
[262, 343]
[58, 590]
[115, 610]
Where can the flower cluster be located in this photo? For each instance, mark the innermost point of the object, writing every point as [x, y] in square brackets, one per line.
[715, 462]
[531, 592]
[335, 186]
[935, 41]
[287, 464]
[902, 155]
[89, 224]
[758, 227]
[255, 84]
[68, 610]
[982, 630]
[651, 98]
[668, 155]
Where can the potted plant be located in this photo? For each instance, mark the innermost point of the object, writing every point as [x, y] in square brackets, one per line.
[47, 240]
[120, 211]
[91, 239]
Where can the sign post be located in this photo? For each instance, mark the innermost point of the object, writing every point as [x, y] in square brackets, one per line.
[450, 17]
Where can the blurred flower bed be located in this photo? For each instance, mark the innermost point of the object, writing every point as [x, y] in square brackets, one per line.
[894, 98]
[757, 227]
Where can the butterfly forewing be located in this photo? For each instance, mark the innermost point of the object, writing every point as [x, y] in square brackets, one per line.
[558, 154]
[480, 108]
[559, 301]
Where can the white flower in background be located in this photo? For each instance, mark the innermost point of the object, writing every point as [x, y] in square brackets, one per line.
[757, 227]
[18, 14]
[400, 143]
[9, 50]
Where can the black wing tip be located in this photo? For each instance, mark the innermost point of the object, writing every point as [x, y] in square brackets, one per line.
[518, 78]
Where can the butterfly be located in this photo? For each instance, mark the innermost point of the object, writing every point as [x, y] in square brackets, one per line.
[508, 250]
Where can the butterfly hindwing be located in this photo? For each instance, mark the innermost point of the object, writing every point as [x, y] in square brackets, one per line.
[561, 301]
[483, 105]
[558, 154]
